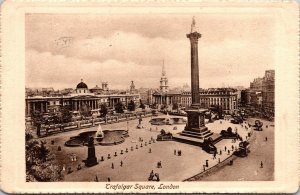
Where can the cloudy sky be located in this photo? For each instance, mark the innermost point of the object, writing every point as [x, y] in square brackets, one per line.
[61, 49]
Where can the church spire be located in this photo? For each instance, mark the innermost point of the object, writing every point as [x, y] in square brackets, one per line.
[163, 79]
[163, 69]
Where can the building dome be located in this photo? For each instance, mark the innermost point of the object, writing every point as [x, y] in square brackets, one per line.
[81, 85]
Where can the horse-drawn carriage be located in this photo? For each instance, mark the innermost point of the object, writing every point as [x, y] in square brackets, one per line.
[258, 125]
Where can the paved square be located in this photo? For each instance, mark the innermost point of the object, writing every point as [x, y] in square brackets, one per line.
[138, 164]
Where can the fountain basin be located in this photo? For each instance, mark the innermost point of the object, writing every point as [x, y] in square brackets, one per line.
[168, 120]
[111, 137]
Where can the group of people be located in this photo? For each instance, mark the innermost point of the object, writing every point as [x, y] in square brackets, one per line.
[177, 152]
[113, 166]
[153, 176]
[159, 164]
[97, 180]
[73, 157]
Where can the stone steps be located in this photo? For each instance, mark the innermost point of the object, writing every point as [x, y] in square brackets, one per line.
[188, 140]
[195, 135]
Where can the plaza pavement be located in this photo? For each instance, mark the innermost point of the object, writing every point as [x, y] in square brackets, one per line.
[248, 168]
[137, 164]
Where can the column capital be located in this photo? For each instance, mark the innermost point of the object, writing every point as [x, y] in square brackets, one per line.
[193, 36]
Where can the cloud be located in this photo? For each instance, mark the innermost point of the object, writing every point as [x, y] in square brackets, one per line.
[45, 69]
[119, 49]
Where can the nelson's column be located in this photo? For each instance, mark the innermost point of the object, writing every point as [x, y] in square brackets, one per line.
[195, 131]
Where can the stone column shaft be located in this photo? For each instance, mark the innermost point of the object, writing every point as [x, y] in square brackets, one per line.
[194, 36]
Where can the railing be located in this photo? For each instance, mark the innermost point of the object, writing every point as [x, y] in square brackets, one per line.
[57, 128]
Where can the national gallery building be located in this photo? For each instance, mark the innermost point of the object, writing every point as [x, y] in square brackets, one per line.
[81, 96]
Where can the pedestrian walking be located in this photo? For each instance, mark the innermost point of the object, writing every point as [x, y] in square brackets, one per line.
[225, 148]
[220, 152]
[266, 138]
[214, 155]
[174, 152]
[232, 147]
[121, 163]
[112, 165]
[228, 152]
[219, 160]
[261, 164]
[157, 177]
[179, 152]
[108, 179]
[206, 163]
[149, 150]
[152, 173]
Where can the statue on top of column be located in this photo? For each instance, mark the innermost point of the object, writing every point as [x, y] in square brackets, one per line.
[193, 26]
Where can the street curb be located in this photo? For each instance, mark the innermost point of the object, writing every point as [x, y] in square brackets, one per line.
[215, 168]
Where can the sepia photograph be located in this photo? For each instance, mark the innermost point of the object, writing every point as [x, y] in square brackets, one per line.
[149, 97]
[127, 98]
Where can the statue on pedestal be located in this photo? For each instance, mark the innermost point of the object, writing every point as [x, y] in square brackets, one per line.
[91, 159]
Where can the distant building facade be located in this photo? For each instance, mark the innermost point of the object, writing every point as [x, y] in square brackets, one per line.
[268, 92]
[261, 94]
[82, 97]
[256, 85]
[226, 98]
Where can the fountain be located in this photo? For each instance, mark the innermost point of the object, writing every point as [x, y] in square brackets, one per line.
[168, 120]
[99, 134]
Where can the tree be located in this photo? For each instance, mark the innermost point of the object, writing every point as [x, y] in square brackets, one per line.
[175, 106]
[131, 106]
[40, 164]
[65, 115]
[38, 120]
[85, 110]
[119, 107]
[220, 112]
[142, 105]
[103, 110]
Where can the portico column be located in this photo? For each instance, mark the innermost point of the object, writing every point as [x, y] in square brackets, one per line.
[28, 108]
[46, 106]
[33, 106]
[42, 108]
